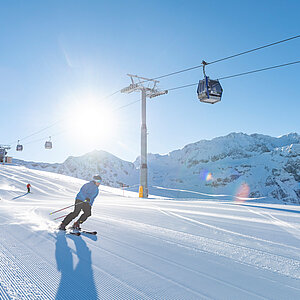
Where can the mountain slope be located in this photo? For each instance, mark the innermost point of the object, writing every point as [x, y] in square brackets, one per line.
[268, 168]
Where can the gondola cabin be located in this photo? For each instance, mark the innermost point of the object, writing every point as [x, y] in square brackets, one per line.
[19, 147]
[48, 145]
[209, 91]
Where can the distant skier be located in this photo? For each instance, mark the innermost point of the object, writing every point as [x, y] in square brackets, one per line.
[28, 187]
[84, 201]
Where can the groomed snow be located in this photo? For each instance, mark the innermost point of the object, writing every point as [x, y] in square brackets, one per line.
[152, 248]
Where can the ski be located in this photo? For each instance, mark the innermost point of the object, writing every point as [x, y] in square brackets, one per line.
[88, 232]
[74, 233]
[69, 231]
[78, 231]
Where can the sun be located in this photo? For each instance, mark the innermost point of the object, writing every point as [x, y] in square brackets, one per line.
[90, 120]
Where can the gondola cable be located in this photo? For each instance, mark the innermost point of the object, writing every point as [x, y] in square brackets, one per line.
[185, 86]
[239, 74]
[65, 130]
[192, 68]
[227, 57]
[55, 123]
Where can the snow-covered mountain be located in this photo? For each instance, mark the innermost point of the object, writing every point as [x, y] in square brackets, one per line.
[255, 166]
[114, 171]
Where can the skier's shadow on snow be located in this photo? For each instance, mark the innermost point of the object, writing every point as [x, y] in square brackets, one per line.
[77, 280]
[19, 196]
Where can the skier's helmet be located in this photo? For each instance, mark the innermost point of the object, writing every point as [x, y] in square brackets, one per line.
[97, 178]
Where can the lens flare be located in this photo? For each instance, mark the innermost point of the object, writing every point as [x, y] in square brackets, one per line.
[208, 176]
[205, 175]
[242, 193]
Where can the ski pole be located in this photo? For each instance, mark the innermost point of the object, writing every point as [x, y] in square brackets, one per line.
[64, 208]
[59, 217]
[61, 209]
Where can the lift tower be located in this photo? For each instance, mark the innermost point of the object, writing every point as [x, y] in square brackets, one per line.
[3, 152]
[148, 88]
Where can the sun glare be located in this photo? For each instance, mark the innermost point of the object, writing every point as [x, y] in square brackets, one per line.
[89, 121]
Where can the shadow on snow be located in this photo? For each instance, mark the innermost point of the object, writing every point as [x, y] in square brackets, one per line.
[77, 280]
[271, 208]
[19, 196]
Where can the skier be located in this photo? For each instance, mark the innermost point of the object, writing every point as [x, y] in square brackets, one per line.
[28, 187]
[84, 201]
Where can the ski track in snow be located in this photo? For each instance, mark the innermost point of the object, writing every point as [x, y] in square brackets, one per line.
[41, 185]
[296, 251]
[19, 276]
[171, 212]
[180, 266]
[25, 285]
[242, 254]
[148, 270]
[182, 244]
[145, 249]
[202, 213]
[289, 227]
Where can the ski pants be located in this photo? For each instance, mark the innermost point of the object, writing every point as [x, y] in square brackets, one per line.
[79, 205]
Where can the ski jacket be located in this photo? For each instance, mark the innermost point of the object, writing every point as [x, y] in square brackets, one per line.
[28, 185]
[89, 190]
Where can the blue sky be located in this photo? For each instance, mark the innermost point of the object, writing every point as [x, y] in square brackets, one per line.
[60, 58]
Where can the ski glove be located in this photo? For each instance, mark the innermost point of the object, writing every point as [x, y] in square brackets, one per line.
[87, 200]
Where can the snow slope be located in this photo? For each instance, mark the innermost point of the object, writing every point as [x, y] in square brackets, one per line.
[269, 166]
[145, 248]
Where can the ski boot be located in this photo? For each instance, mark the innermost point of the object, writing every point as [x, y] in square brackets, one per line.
[62, 226]
[76, 226]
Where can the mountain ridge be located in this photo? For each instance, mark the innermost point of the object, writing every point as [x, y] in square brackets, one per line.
[269, 166]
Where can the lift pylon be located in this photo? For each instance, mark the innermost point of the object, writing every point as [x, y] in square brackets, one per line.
[148, 88]
[3, 152]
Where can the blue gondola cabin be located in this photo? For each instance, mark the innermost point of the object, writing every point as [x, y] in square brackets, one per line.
[209, 91]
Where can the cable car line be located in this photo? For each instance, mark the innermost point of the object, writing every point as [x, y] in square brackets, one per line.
[183, 86]
[172, 89]
[264, 69]
[41, 139]
[112, 94]
[255, 49]
[189, 85]
[239, 74]
[41, 130]
[65, 130]
[55, 123]
[127, 105]
[228, 57]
